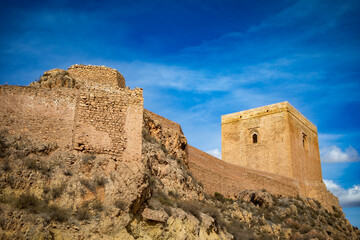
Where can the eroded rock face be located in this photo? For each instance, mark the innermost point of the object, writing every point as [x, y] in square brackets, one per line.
[55, 78]
[259, 198]
[174, 141]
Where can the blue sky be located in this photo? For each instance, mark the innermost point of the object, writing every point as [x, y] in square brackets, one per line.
[198, 60]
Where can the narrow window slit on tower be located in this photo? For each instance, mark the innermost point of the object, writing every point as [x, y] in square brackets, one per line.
[304, 140]
[254, 137]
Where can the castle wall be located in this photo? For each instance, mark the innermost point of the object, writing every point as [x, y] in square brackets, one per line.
[110, 123]
[305, 150]
[88, 121]
[42, 114]
[271, 152]
[228, 179]
[95, 76]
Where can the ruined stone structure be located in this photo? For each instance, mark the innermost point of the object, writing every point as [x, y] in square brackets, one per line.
[95, 120]
[97, 76]
[89, 109]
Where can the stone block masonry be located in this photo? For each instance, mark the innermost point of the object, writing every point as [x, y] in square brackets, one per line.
[93, 121]
[44, 115]
[97, 76]
[109, 123]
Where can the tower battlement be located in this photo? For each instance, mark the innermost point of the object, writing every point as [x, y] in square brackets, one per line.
[97, 75]
[267, 110]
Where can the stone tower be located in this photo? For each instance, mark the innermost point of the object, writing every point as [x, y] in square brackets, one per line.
[276, 139]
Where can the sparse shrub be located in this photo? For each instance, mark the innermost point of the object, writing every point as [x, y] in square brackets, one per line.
[45, 170]
[3, 145]
[88, 184]
[28, 202]
[146, 135]
[2, 226]
[57, 191]
[192, 207]
[162, 198]
[88, 157]
[46, 190]
[212, 211]
[6, 166]
[37, 165]
[68, 173]
[57, 213]
[11, 180]
[152, 180]
[304, 229]
[173, 194]
[236, 228]
[219, 197]
[168, 210]
[120, 204]
[32, 164]
[83, 213]
[163, 148]
[101, 181]
[97, 205]
[291, 223]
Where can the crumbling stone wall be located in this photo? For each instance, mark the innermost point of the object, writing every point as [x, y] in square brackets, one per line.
[110, 123]
[91, 121]
[97, 76]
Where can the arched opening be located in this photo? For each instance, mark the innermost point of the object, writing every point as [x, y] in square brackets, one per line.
[255, 138]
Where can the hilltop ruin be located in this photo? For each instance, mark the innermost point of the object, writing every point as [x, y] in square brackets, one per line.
[89, 109]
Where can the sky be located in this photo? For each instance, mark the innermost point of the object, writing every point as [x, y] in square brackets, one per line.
[198, 60]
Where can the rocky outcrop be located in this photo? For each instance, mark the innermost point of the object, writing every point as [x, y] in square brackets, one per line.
[50, 192]
[55, 78]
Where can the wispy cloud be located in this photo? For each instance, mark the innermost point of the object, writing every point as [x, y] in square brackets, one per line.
[334, 154]
[215, 152]
[347, 197]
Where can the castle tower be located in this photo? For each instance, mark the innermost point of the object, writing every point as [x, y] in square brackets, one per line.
[275, 139]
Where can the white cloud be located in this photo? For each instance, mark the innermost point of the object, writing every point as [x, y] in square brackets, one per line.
[215, 152]
[347, 197]
[334, 154]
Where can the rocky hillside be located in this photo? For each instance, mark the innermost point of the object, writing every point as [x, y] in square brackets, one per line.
[52, 193]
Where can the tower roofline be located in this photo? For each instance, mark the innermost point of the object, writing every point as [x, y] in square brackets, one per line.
[268, 110]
